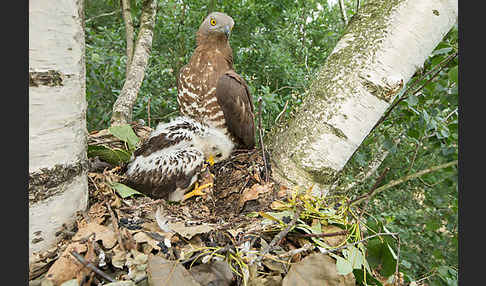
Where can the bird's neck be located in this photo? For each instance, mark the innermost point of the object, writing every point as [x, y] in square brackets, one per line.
[214, 52]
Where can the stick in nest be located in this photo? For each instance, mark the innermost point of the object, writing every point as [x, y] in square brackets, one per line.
[260, 135]
[91, 266]
[114, 221]
[280, 235]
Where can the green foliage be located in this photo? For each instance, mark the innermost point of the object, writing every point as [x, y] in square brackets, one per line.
[114, 155]
[124, 191]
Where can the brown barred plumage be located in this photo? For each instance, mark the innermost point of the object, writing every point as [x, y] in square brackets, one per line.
[210, 91]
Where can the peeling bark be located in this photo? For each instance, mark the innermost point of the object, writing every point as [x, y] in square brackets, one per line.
[122, 109]
[382, 48]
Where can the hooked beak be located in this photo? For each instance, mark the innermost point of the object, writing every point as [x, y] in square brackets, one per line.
[227, 31]
[210, 160]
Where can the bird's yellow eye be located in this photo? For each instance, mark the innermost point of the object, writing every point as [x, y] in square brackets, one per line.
[213, 22]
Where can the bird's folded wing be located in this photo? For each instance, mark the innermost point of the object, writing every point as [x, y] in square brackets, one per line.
[235, 99]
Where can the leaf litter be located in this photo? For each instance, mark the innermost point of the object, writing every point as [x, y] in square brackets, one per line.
[242, 232]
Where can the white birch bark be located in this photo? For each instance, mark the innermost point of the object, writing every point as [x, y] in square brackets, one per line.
[122, 109]
[383, 46]
[58, 185]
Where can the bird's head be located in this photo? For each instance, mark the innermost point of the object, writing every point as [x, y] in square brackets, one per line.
[217, 23]
[215, 145]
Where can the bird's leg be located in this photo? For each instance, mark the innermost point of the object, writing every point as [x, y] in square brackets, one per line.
[198, 190]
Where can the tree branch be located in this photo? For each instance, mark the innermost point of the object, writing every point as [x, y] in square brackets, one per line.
[401, 180]
[122, 109]
[91, 266]
[358, 242]
[127, 18]
[102, 15]
[343, 12]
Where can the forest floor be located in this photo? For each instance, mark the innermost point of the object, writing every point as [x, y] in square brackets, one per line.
[243, 231]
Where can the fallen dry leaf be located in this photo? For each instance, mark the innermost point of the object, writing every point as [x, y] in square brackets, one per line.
[137, 264]
[189, 231]
[142, 237]
[84, 273]
[282, 192]
[277, 205]
[162, 272]
[103, 233]
[274, 266]
[252, 193]
[316, 270]
[266, 281]
[66, 267]
[215, 273]
[119, 258]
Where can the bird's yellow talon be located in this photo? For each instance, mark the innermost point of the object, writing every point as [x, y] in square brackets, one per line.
[210, 160]
[198, 191]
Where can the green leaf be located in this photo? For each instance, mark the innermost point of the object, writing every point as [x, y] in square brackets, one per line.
[355, 257]
[453, 74]
[405, 263]
[412, 100]
[389, 261]
[112, 156]
[359, 275]
[126, 134]
[124, 191]
[441, 51]
[343, 266]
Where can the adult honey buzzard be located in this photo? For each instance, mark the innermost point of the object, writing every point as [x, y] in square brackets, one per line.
[169, 162]
[210, 91]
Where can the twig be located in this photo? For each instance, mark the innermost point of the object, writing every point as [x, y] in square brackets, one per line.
[293, 252]
[375, 185]
[449, 115]
[148, 111]
[219, 251]
[344, 232]
[281, 112]
[398, 261]
[357, 5]
[91, 266]
[285, 87]
[354, 243]
[114, 221]
[429, 72]
[401, 180]
[101, 15]
[343, 12]
[260, 133]
[140, 279]
[129, 33]
[280, 235]
[415, 154]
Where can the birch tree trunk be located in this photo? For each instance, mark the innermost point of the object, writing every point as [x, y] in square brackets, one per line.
[383, 46]
[122, 109]
[58, 185]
